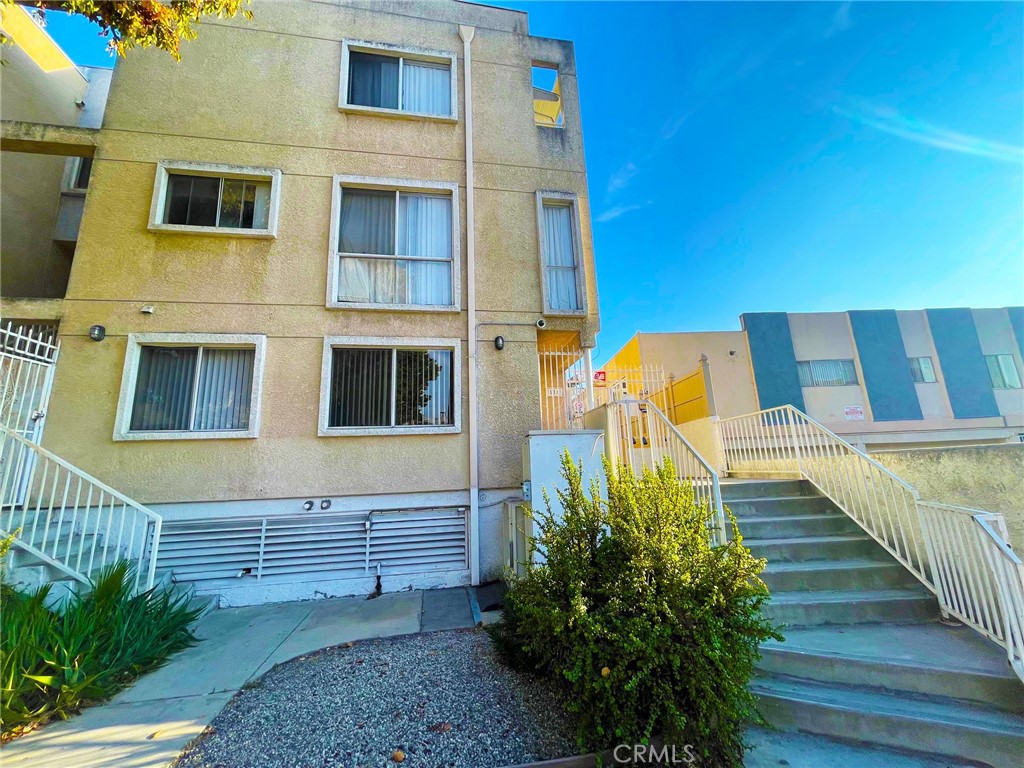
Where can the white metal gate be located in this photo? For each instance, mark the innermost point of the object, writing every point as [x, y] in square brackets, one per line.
[563, 388]
[28, 359]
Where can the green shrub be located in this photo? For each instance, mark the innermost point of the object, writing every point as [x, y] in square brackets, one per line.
[651, 631]
[54, 661]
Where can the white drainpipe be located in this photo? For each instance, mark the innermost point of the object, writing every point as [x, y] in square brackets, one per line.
[466, 33]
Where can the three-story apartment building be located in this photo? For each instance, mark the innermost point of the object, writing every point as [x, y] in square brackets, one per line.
[318, 263]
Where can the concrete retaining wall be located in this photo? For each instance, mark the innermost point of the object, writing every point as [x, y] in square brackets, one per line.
[989, 477]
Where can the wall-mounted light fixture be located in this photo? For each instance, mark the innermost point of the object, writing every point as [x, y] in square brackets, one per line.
[148, 309]
[307, 505]
[499, 342]
[325, 504]
[97, 332]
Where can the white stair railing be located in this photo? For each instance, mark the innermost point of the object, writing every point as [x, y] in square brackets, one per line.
[68, 519]
[640, 435]
[960, 554]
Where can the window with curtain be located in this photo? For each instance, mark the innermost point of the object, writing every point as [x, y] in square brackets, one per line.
[560, 260]
[193, 389]
[922, 370]
[826, 373]
[395, 248]
[399, 83]
[212, 201]
[1003, 371]
[391, 387]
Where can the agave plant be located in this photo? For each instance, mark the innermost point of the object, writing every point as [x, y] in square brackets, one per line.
[53, 661]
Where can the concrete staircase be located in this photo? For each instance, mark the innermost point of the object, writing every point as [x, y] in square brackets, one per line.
[865, 657]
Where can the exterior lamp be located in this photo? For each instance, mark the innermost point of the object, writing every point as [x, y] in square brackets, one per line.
[499, 342]
[97, 332]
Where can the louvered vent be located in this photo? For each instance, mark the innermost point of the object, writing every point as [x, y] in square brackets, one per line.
[332, 545]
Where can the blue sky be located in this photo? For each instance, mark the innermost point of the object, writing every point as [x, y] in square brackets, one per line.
[751, 157]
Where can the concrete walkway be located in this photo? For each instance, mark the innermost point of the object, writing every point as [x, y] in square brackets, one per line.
[149, 724]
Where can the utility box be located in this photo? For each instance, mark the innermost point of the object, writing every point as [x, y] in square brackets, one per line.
[542, 464]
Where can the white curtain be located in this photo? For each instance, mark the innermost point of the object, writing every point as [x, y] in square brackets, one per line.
[560, 258]
[367, 222]
[425, 229]
[261, 207]
[225, 389]
[426, 88]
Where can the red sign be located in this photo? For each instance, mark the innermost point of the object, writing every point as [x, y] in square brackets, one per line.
[600, 376]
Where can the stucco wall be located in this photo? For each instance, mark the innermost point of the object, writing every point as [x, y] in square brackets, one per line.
[30, 263]
[984, 477]
[728, 357]
[268, 97]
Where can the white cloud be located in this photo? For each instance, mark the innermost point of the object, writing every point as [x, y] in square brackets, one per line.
[618, 210]
[840, 20]
[621, 178]
[895, 123]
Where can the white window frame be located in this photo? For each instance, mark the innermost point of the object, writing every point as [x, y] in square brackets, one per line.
[165, 168]
[415, 54]
[130, 375]
[391, 342]
[393, 185]
[71, 168]
[1000, 357]
[570, 199]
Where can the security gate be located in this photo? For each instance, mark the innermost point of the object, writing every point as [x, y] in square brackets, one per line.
[28, 359]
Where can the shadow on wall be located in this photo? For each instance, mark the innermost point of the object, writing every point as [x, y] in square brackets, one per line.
[989, 477]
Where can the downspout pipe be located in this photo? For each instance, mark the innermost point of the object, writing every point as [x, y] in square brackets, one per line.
[467, 33]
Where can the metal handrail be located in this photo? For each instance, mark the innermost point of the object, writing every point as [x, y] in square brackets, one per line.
[68, 518]
[954, 551]
[654, 426]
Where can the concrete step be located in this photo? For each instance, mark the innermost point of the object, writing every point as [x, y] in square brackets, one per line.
[806, 548]
[953, 667]
[813, 609]
[775, 506]
[819, 575]
[936, 725]
[745, 489]
[794, 526]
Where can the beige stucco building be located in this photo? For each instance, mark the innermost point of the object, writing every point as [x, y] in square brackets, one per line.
[299, 246]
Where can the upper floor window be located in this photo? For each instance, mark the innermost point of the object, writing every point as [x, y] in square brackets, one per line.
[1003, 371]
[381, 78]
[560, 253]
[395, 247]
[215, 199]
[827, 373]
[76, 179]
[922, 370]
[547, 96]
[190, 385]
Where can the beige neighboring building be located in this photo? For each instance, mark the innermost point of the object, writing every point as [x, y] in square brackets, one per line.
[883, 379]
[298, 251]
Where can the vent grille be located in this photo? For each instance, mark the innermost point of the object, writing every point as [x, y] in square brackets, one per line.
[330, 545]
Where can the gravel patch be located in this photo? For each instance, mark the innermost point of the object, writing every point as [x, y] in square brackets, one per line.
[443, 699]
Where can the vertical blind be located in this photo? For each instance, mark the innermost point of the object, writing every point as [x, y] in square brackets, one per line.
[370, 220]
[826, 373]
[373, 81]
[560, 258]
[193, 389]
[374, 387]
